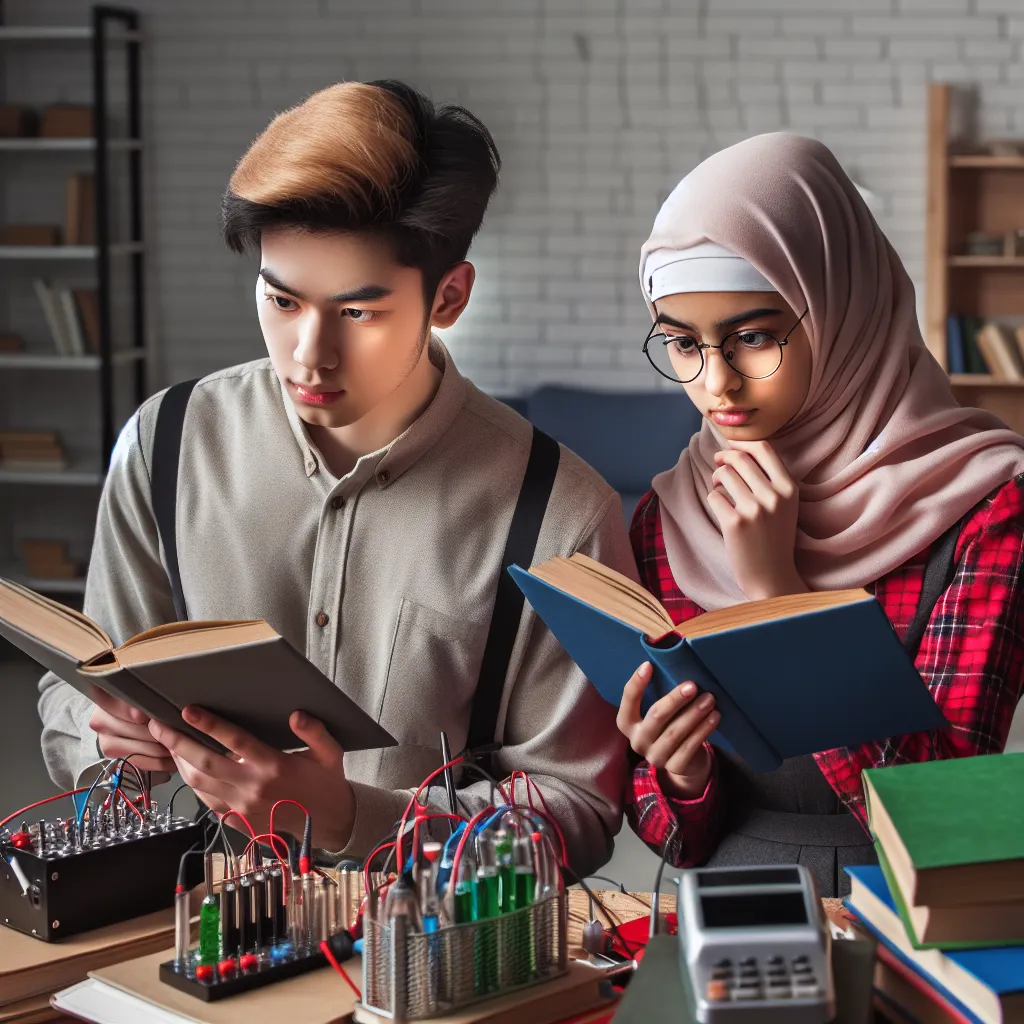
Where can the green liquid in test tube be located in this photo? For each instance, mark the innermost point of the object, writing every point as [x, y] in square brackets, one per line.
[209, 931]
[488, 906]
[525, 887]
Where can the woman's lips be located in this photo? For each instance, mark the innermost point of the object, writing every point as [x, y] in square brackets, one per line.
[732, 417]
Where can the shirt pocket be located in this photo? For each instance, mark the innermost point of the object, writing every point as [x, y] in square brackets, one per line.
[432, 676]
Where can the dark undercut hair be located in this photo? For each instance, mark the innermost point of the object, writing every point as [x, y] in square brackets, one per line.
[374, 158]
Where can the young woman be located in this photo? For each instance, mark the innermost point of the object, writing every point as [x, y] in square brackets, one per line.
[832, 454]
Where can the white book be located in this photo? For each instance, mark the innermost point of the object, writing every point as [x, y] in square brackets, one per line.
[72, 324]
[54, 315]
[95, 1000]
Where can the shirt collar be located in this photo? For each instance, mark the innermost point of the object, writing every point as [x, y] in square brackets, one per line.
[418, 438]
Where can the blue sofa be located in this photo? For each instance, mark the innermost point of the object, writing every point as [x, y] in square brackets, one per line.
[628, 437]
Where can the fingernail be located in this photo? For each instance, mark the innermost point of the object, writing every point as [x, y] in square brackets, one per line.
[190, 714]
[687, 689]
[714, 718]
[301, 719]
[706, 701]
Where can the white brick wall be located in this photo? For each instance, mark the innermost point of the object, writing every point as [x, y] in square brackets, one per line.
[598, 107]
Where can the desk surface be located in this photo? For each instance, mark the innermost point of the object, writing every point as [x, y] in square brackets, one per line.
[625, 906]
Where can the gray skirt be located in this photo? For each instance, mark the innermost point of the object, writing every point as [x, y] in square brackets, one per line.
[789, 816]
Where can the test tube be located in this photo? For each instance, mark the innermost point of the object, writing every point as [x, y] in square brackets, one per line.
[260, 929]
[488, 906]
[296, 914]
[278, 905]
[309, 909]
[228, 921]
[209, 930]
[246, 925]
[182, 928]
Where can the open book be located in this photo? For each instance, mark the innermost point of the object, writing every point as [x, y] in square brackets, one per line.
[245, 672]
[791, 675]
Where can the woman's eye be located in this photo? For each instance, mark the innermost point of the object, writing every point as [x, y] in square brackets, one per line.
[283, 303]
[682, 344]
[755, 339]
[361, 316]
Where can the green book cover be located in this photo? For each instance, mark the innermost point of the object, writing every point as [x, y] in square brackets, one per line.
[974, 360]
[908, 927]
[965, 810]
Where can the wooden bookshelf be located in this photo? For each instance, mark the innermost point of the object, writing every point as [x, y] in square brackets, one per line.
[971, 192]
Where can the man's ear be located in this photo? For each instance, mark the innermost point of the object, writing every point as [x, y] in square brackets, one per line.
[452, 295]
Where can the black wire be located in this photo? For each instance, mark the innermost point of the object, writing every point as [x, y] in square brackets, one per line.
[611, 920]
[656, 893]
[605, 878]
[170, 803]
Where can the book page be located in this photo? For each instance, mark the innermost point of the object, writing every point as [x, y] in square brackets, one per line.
[173, 641]
[607, 591]
[52, 623]
[750, 613]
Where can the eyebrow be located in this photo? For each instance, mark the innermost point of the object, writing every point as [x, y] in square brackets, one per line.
[731, 321]
[364, 293]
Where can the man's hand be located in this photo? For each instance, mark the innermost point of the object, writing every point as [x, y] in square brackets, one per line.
[755, 501]
[123, 731]
[257, 776]
[671, 735]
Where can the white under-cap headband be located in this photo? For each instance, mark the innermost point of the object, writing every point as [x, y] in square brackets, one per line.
[707, 267]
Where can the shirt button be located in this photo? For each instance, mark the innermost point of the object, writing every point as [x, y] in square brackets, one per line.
[337, 502]
[322, 619]
[383, 476]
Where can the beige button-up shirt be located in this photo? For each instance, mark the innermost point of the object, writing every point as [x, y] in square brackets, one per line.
[384, 578]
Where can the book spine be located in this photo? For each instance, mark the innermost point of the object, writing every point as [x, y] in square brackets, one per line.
[681, 664]
[955, 360]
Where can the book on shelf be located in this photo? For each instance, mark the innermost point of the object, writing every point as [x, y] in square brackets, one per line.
[17, 122]
[985, 985]
[999, 350]
[243, 671]
[760, 659]
[72, 317]
[48, 560]
[950, 842]
[30, 235]
[11, 343]
[31, 450]
[955, 355]
[80, 212]
[67, 121]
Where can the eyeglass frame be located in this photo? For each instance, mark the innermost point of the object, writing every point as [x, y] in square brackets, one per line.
[702, 345]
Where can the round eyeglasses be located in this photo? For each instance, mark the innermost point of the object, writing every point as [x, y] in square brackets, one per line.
[751, 351]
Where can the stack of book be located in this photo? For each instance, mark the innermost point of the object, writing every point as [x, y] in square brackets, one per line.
[48, 560]
[946, 903]
[975, 345]
[36, 450]
[31, 971]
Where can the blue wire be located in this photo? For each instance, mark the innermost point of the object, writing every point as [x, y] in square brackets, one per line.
[88, 796]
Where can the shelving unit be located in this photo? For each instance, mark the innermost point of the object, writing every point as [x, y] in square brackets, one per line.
[971, 192]
[113, 34]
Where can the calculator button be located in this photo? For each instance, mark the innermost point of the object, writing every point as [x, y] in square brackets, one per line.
[775, 961]
[721, 973]
[777, 972]
[746, 992]
[723, 963]
[801, 968]
[717, 991]
[749, 961]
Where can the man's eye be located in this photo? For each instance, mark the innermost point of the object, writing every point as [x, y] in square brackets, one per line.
[361, 316]
[282, 303]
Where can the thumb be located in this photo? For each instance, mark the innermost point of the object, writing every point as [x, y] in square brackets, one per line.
[324, 748]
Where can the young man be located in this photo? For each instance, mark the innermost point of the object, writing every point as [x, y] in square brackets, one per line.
[356, 492]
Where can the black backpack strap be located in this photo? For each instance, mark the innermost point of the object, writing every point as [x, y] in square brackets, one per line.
[164, 481]
[938, 574]
[538, 480]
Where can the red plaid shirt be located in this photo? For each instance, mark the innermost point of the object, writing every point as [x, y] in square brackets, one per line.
[971, 657]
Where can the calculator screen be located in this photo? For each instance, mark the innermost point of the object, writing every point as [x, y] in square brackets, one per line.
[751, 910]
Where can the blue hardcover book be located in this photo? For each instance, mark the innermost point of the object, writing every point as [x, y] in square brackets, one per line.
[986, 985]
[791, 675]
[956, 358]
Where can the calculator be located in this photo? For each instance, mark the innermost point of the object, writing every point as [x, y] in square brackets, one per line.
[755, 945]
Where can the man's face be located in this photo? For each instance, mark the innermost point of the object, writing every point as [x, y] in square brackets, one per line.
[344, 323]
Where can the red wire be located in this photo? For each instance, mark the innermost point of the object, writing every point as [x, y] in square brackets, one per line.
[39, 803]
[120, 792]
[271, 837]
[423, 785]
[366, 865]
[326, 950]
[241, 817]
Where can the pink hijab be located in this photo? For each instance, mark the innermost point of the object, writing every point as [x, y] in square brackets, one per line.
[885, 458]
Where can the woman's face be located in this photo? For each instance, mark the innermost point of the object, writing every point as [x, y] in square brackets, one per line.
[758, 329]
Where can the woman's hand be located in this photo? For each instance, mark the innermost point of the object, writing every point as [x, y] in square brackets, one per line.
[671, 735]
[755, 501]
